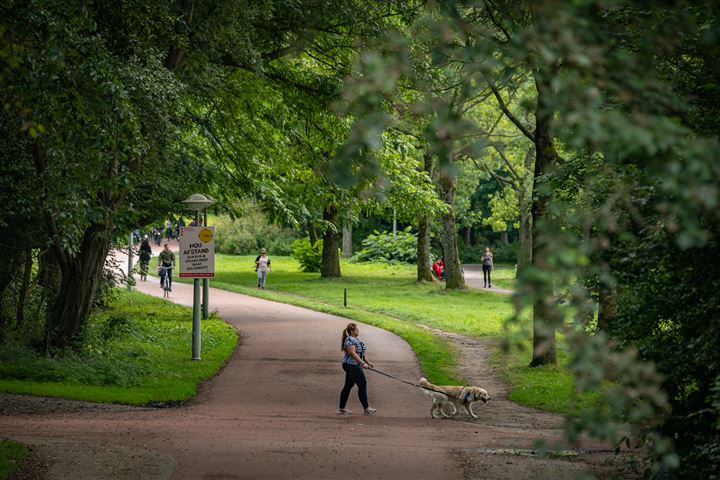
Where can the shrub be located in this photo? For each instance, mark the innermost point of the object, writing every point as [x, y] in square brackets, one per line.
[386, 248]
[250, 232]
[310, 257]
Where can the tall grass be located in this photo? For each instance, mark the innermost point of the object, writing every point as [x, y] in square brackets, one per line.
[137, 352]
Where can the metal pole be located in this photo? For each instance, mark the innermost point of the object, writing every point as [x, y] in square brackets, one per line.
[196, 320]
[130, 264]
[205, 287]
[394, 224]
[196, 310]
[345, 297]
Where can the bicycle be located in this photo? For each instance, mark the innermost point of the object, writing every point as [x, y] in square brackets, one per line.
[165, 280]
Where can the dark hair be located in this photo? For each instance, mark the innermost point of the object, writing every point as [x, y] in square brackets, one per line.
[346, 333]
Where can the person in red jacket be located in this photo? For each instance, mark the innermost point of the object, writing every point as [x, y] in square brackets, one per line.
[439, 268]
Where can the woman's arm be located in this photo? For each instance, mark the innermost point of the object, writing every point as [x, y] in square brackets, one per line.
[363, 363]
[368, 362]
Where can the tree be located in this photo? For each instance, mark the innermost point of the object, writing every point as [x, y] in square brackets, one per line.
[611, 97]
[102, 117]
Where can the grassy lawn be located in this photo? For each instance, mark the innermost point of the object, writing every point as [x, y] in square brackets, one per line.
[503, 276]
[382, 289]
[136, 352]
[389, 297]
[11, 456]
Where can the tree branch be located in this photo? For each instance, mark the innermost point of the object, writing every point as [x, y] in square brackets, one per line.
[507, 111]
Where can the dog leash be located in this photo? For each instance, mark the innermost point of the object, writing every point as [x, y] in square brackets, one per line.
[413, 384]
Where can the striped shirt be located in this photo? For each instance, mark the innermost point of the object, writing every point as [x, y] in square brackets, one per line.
[351, 341]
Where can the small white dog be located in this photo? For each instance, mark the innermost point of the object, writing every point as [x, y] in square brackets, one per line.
[457, 397]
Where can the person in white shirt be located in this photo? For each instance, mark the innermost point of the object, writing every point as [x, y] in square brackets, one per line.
[262, 266]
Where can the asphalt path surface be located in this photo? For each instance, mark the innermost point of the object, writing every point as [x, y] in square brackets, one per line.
[271, 412]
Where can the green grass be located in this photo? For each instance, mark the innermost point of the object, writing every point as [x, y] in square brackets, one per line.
[547, 387]
[12, 454]
[382, 289]
[136, 352]
[503, 276]
[389, 297]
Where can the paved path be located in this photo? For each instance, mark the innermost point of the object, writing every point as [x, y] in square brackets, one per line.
[271, 413]
[474, 279]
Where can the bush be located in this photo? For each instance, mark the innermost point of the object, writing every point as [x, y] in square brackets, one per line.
[250, 232]
[310, 257]
[384, 248]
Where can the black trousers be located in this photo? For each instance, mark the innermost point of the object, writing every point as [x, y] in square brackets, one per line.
[354, 375]
[486, 274]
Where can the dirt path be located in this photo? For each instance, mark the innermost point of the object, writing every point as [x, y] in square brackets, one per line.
[474, 279]
[271, 414]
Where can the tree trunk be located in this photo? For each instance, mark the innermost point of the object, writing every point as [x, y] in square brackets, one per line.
[9, 264]
[24, 288]
[524, 193]
[347, 241]
[504, 238]
[453, 273]
[606, 305]
[177, 53]
[424, 264]
[544, 310]
[524, 254]
[312, 233]
[330, 267]
[79, 278]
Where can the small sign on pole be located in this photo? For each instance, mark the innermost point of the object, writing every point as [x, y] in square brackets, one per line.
[197, 252]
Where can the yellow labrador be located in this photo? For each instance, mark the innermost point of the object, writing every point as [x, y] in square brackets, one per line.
[458, 397]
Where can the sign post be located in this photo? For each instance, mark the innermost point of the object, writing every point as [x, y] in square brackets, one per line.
[197, 260]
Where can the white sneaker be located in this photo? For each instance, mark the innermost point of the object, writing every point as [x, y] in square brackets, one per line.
[344, 411]
[370, 411]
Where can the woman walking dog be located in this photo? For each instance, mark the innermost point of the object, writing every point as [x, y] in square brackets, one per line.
[353, 363]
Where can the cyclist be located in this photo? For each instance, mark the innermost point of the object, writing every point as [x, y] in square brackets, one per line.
[166, 259]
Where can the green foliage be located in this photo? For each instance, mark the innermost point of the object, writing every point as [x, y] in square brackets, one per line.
[502, 253]
[309, 256]
[250, 232]
[11, 456]
[670, 310]
[622, 86]
[136, 351]
[386, 247]
[107, 290]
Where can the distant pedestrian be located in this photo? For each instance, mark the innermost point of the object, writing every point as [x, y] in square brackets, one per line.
[262, 267]
[487, 267]
[353, 363]
[168, 230]
[145, 254]
[439, 268]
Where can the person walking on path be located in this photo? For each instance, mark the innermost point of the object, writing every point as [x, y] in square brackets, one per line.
[166, 259]
[487, 267]
[353, 363]
[262, 267]
[145, 254]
